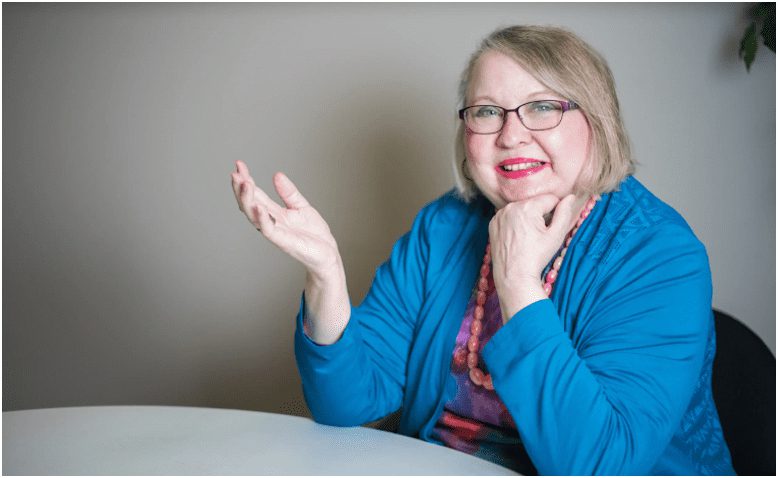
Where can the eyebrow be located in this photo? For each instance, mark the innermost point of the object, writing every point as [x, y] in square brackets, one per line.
[530, 97]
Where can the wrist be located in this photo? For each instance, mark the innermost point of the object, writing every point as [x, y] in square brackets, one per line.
[520, 294]
[327, 306]
[330, 273]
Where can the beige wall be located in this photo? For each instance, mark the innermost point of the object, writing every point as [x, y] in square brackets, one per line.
[130, 277]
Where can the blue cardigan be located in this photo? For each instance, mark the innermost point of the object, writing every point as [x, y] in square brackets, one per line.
[610, 375]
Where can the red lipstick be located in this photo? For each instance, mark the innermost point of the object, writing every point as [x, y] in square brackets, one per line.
[521, 173]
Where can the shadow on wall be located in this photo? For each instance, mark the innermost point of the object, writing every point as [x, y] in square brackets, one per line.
[391, 160]
[114, 334]
[376, 170]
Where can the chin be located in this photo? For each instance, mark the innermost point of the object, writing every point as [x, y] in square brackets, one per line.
[523, 195]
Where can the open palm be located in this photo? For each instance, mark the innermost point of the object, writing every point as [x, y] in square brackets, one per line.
[297, 229]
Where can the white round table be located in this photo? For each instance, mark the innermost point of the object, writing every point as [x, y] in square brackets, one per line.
[142, 440]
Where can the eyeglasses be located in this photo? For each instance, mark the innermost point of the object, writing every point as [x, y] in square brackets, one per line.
[535, 115]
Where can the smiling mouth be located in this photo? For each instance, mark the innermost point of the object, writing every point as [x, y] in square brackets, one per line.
[521, 166]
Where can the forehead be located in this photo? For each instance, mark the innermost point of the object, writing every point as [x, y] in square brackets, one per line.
[498, 77]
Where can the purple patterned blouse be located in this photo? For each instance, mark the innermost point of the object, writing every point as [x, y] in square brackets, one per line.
[475, 420]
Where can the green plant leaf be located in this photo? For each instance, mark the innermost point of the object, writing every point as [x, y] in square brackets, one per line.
[768, 26]
[748, 46]
[759, 11]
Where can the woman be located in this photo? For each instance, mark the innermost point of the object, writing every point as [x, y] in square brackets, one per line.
[550, 314]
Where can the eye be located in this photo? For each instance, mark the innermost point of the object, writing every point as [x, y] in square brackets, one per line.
[487, 112]
[543, 106]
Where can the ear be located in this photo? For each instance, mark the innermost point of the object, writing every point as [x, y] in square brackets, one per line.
[465, 170]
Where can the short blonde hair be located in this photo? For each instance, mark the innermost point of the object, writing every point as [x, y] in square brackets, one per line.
[571, 68]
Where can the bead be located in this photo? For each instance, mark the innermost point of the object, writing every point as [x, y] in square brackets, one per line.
[567, 241]
[477, 376]
[460, 358]
[476, 327]
[488, 382]
[551, 276]
[472, 344]
[472, 360]
[578, 223]
[547, 288]
[484, 270]
[487, 259]
[585, 214]
[488, 248]
[557, 263]
[480, 298]
[483, 284]
[563, 252]
[478, 313]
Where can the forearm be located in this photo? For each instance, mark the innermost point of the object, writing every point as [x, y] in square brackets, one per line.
[600, 379]
[360, 375]
[327, 305]
[345, 382]
[576, 425]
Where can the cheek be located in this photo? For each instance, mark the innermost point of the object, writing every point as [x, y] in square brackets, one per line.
[584, 154]
[578, 149]
[573, 145]
[476, 146]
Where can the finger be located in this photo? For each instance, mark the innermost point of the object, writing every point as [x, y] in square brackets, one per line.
[289, 192]
[545, 203]
[245, 198]
[259, 195]
[236, 186]
[241, 186]
[241, 168]
[565, 215]
[243, 173]
[261, 198]
[251, 194]
[264, 221]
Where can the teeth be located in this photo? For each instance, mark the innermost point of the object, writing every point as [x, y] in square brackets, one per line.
[521, 166]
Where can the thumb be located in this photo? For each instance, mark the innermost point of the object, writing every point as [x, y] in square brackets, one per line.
[288, 192]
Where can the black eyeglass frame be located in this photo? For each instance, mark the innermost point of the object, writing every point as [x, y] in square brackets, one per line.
[567, 105]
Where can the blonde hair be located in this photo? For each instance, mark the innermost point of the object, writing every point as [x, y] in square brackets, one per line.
[571, 68]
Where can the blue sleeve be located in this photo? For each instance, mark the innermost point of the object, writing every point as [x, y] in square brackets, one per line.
[361, 377]
[611, 403]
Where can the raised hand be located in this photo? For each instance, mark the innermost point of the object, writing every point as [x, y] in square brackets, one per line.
[296, 228]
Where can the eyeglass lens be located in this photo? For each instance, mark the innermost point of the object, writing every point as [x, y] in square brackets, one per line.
[536, 115]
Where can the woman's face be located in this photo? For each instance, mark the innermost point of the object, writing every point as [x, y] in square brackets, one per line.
[563, 152]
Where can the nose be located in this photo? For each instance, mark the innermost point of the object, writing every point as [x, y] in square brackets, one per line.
[513, 132]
